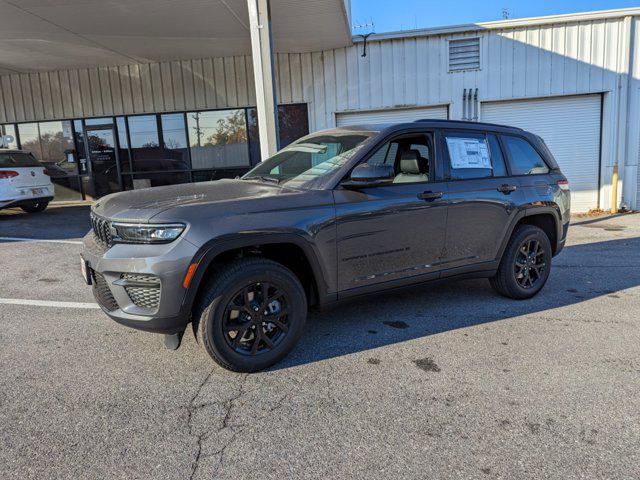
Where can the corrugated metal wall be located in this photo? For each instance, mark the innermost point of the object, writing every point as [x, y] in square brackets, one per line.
[524, 62]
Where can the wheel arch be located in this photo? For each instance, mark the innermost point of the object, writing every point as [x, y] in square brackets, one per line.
[292, 251]
[545, 217]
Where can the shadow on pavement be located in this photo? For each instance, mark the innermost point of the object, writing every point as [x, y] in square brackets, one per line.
[580, 273]
[56, 223]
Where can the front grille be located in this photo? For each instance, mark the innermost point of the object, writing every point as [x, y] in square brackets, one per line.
[143, 290]
[102, 230]
[102, 292]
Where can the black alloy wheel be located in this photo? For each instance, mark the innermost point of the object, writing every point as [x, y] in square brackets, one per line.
[530, 264]
[256, 319]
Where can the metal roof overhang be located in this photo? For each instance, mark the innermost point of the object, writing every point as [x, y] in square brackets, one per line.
[43, 35]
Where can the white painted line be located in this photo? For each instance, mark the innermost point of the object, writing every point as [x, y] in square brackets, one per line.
[46, 303]
[20, 239]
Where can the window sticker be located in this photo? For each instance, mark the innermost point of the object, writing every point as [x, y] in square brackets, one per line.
[468, 153]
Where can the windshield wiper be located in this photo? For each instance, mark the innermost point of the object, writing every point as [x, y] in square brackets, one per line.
[266, 179]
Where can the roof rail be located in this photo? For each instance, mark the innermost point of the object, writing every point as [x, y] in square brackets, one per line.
[465, 122]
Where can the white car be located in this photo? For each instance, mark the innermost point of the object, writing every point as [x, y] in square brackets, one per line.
[24, 182]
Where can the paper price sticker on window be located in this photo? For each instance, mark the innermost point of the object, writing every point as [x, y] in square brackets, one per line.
[468, 153]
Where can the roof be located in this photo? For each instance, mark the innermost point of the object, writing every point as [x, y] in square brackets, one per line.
[430, 122]
[503, 24]
[43, 35]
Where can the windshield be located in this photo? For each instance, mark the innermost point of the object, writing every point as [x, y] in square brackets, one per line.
[309, 161]
[17, 159]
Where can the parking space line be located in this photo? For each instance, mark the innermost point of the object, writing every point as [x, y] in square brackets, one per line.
[20, 239]
[46, 303]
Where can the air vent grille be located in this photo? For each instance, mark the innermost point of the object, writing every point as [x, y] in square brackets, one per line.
[464, 54]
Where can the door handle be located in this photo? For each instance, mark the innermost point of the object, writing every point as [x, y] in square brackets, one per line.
[429, 195]
[507, 189]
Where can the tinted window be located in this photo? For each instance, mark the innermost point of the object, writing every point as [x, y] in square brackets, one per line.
[497, 158]
[293, 123]
[9, 160]
[469, 155]
[218, 139]
[523, 158]
[174, 137]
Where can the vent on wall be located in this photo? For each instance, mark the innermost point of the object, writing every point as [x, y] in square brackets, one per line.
[464, 54]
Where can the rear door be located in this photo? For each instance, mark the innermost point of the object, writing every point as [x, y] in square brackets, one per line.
[483, 198]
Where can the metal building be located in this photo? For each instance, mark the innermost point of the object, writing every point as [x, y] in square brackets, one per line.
[184, 109]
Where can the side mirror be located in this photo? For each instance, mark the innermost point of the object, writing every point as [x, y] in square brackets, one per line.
[365, 175]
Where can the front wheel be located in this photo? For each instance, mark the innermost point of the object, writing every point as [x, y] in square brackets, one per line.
[35, 207]
[251, 314]
[525, 265]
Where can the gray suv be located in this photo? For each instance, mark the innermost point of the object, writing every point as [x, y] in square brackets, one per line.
[337, 214]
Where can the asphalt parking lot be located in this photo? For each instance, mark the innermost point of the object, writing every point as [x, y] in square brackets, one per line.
[450, 381]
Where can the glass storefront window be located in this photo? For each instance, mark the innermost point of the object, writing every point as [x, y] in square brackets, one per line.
[293, 123]
[147, 155]
[8, 133]
[218, 139]
[174, 138]
[146, 180]
[29, 139]
[123, 143]
[98, 121]
[52, 144]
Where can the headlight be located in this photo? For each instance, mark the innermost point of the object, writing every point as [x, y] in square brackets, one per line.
[143, 233]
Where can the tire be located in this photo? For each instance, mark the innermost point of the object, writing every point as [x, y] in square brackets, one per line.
[222, 296]
[510, 279]
[35, 207]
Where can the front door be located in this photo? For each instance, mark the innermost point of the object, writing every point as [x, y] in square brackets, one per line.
[396, 232]
[103, 160]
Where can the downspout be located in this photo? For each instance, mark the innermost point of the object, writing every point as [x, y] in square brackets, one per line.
[623, 110]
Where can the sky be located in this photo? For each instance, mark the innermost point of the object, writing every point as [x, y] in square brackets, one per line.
[394, 15]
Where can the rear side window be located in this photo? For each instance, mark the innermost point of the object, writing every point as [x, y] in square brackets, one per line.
[15, 160]
[470, 156]
[523, 158]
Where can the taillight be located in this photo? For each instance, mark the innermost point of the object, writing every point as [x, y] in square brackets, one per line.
[8, 174]
[47, 172]
[563, 184]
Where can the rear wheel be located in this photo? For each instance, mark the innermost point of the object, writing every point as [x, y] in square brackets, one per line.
[35, 207]
[251, 314]
[525, 265]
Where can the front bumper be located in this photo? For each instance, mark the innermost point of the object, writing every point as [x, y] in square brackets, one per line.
[112, 272]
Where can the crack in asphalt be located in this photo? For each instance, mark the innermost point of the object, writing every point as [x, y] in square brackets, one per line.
[190, 410]
[227, 406]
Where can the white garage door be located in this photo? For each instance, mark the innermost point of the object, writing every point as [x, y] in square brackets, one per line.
[391, 116]
[570, 126]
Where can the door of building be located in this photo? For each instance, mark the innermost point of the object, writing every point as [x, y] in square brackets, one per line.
[103, 160]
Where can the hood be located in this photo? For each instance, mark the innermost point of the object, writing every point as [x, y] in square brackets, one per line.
[141, 205]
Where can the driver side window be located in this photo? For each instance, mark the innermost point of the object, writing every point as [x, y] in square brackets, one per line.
[410, 156]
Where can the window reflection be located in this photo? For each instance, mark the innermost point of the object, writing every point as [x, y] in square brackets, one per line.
[52, 144]
[146, 152]
[174, 138]
[218, 139]
[8, 133]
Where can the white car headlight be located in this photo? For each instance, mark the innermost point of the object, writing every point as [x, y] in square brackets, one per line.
[145, 233]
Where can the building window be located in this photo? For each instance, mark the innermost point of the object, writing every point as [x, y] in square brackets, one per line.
[8, 133]
[52, 143]
[293, 123]
[464, 54]
[174, 138]
[218, 139]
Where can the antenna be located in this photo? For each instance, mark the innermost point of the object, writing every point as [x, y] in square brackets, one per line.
[363, 27]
